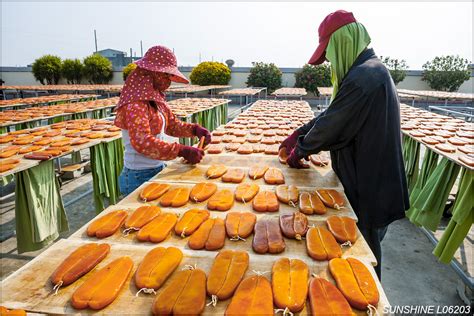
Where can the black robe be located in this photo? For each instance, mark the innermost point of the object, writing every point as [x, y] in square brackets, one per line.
[361, 129]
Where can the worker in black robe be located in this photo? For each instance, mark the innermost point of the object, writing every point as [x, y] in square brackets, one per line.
[361, 129]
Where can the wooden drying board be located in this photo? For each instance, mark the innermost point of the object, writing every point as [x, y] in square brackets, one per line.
[64, 114]
[29, 287]
[29, 163]
[248, 160]
[313, 177]
[454, 157]
[23, 165]
[295, 247]
[134, 199]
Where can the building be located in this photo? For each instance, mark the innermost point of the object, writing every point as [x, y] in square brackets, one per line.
[118, 58]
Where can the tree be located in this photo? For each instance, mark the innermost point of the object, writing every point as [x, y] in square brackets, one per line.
[47, 69]
[311, 77]
[97, 69]
[209, 73]
[446, 73]
[127, 70]
[72, 70]
[397, 67]
[264, 75]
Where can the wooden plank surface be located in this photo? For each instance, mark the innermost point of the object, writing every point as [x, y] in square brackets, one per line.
[320, 177]
[28, 163]
[454, 157]
[134, 199]
[295, 248]
[29, 288]
[40, 118]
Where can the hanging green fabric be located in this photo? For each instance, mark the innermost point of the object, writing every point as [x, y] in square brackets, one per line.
[460, 223]
[76, 157]
[79, 116]
[3, 130]
[6, 179]
[27, 125]
[427, 209]
[106, 165]
[99, 114]
[39, 210]
[411, 155]
[224, 114]
[430, 161]
[344, 46]
[57, 119]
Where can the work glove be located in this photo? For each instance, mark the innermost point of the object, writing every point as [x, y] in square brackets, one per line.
[200, 131]
[192, 155]
[294, 160]
[290, 142]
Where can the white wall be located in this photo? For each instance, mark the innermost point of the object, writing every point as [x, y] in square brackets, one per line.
[23, 76]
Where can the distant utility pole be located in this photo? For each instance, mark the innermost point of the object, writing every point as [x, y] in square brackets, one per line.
[95, 38]
[141, 48]
[131, 56]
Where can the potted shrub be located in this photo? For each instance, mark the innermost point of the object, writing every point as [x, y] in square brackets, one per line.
[127, 70]
[98, 69]
[311, 77]
[210, 73]
[446, 73]
[72, 70]
[264, 75]
[47, 69]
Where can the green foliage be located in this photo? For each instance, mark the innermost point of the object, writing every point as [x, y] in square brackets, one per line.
[72, 70]
[311, 77]
[446, 73]
[127, 70]
[264, 75]
[97, 69]
[397, 67]
[47, 69]
[210, 73]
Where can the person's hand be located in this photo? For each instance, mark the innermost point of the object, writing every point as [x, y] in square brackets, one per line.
[290, 142]
[200, 131]
[192, 155]
[294, 161]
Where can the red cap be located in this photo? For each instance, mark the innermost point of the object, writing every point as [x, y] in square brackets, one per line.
[330, 24]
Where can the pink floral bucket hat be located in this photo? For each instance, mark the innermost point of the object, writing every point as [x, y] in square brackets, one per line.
[162, 59]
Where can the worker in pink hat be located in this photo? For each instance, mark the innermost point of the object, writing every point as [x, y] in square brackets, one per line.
[361, 129]
[149, 128]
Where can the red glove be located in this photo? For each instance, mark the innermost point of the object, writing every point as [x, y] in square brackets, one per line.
[192, 155]
[294, 161]
[290, 142]
[200, 131]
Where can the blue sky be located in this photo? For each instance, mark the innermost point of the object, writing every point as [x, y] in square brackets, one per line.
[283, 33]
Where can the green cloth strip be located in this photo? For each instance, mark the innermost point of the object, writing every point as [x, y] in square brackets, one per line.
[460, 223]
[39, 210]
[427, 209]
[27, 125]
[209, 119]
[411, 155]
[106, 165]
[6, 179]
[430, 161]
[99, 114]
[79, 116]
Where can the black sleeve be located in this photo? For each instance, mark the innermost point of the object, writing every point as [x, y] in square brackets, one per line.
[303, 130]
[339, 124]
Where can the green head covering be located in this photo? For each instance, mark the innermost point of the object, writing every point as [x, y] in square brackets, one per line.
[344, 46]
